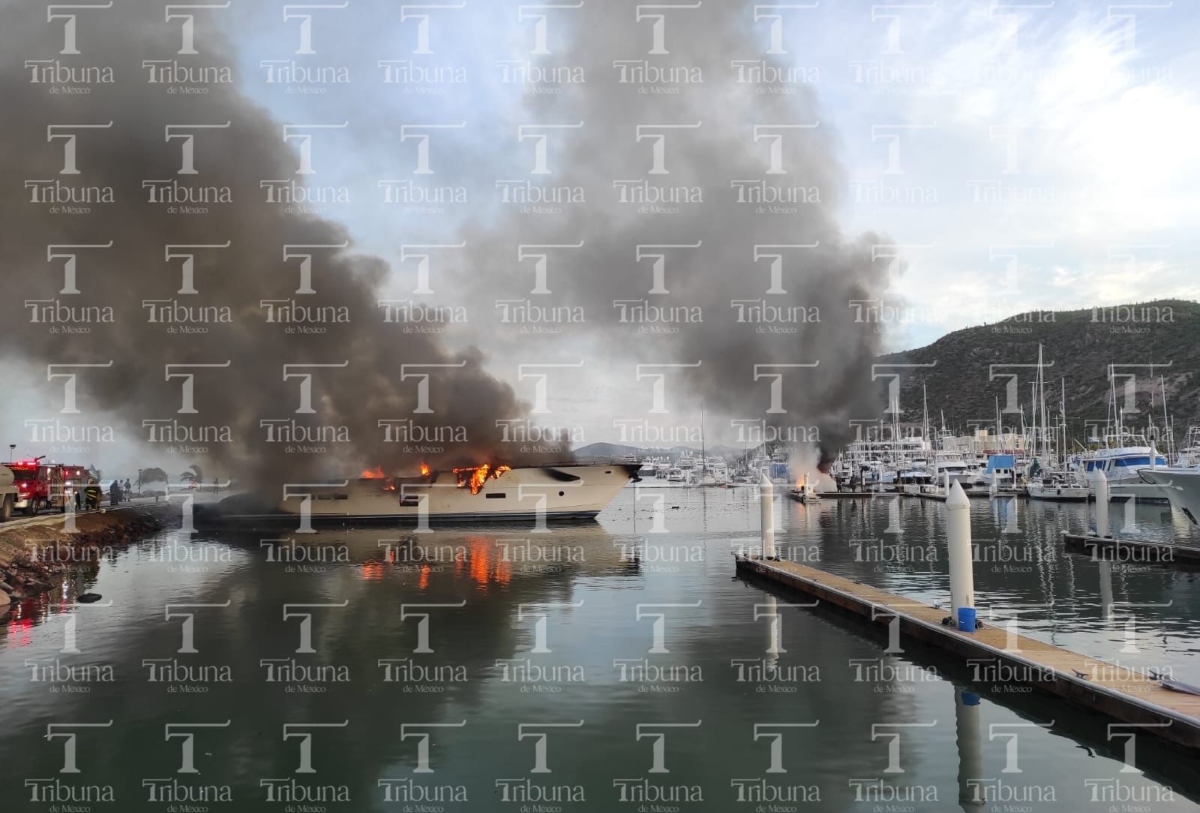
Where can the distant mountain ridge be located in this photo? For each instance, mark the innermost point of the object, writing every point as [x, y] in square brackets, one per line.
[612, 451]
[966, 373]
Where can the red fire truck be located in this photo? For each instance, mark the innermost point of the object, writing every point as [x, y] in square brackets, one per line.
[39, 485]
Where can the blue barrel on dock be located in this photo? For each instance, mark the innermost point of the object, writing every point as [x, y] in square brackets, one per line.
[966, 619]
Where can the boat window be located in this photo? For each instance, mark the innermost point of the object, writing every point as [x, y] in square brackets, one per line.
[495, 495]
[1133, 461]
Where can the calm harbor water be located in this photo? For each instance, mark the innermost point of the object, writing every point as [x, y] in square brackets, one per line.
[615, 665]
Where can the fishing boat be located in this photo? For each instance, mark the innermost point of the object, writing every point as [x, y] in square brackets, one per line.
[481, 494]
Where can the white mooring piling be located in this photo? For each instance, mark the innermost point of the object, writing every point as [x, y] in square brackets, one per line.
[1100, 485]
[958, 543]
[766, 491]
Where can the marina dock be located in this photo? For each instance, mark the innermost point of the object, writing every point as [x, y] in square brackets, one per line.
[1133, 551]
[1126, 696]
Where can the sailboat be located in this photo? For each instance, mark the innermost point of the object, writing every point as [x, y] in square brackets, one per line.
[1045, 483]
[709, 473]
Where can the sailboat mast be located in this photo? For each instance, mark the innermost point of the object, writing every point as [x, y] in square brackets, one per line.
[999, 423]
[1042, 405]
[1170, 450]
[925, 413]
[1062, 412]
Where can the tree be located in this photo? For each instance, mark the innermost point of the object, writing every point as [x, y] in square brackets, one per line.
[194, 474]
[153, 475]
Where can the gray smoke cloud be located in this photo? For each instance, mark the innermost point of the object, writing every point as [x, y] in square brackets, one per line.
[743, 166]
[107, 207]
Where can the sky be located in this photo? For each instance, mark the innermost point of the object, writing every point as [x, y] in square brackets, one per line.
[1024, 155]
[1021, 156]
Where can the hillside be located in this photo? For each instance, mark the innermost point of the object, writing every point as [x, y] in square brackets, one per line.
[972, 368]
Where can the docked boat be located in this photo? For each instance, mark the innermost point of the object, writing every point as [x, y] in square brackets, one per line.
[1180, 486]
[483, 494]
[915, 481]
[1001, 474]
[1122, 466]
[650, 467]
[804, 492]
[1057, 488]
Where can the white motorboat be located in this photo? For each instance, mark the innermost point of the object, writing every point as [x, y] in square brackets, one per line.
[1122, 466]
[1057, 488]
[481, 494]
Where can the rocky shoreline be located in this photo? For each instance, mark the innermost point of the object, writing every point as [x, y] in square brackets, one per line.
[34, 558]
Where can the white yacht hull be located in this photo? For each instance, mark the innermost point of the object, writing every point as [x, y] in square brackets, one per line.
[1180, 487]
[522, 494]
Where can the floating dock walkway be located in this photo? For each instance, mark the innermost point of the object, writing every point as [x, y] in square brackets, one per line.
[1120, 693]
[1133, 551]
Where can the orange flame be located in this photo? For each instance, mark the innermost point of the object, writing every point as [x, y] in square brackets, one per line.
[424, 469]
[368, 474]
[476, 477]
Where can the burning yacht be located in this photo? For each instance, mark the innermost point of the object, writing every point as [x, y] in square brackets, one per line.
[480, 494]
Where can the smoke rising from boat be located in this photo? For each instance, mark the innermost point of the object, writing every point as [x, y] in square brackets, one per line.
[724, 141]
[130, 254]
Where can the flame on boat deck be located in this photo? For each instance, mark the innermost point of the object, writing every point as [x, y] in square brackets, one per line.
[474, 478]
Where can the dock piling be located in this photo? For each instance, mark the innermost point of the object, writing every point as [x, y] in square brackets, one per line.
[958, 543]
[767, 524]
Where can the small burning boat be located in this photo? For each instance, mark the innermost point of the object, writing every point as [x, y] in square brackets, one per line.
[481, 494]
[804, 492]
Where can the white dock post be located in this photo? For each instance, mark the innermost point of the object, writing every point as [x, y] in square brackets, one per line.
[958, 543]
[767, 496]
[969, 731]
[1100, 484]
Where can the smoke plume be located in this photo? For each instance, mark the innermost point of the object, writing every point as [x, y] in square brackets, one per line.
[245, 313]
[742, 178]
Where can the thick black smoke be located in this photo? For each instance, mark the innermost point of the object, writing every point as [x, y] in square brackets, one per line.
[107, 203]
[746, 174]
